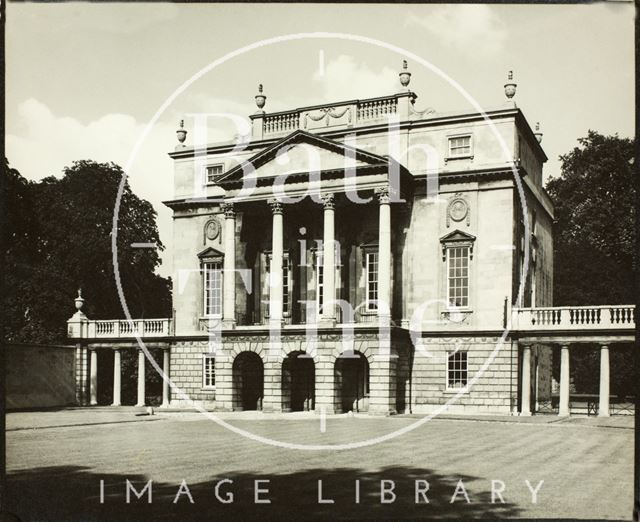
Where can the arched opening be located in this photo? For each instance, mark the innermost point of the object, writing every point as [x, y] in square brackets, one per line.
[248, 382]
[298, 382]
[351, 374]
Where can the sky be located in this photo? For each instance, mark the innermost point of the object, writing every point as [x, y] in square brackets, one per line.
[83, 80]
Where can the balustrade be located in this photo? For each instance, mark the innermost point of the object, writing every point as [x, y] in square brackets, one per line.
[573, 317]
[123, 328]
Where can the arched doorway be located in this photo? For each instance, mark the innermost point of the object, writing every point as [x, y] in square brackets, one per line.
[298, 382]
[351, 378]
[248, 382]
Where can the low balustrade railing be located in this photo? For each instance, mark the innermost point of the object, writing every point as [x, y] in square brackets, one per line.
[124, 328]
[376, 109]
[287, 122]
[574, 318]
[346, 113]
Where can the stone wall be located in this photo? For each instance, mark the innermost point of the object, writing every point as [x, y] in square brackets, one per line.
[387, 394]
[40, 376]
[494, 391]
[186, 372]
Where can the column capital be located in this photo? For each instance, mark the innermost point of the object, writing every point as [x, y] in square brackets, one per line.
[276, 206]
[228, 209]
[383, 195]
[328, 201]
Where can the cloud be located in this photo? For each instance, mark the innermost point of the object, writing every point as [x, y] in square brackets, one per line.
[343, 78]
[469, 28]
[46, 143]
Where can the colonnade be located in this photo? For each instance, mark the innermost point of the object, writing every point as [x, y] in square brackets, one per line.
[328, 313]
[117, 377]
[564, 407]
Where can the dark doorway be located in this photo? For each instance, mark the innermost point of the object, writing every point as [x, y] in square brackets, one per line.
[105, 377]
[298, 382]
[248, 381]
[352, 382]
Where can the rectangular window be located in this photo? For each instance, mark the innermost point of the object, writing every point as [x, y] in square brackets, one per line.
[286, 281]
[372, 280]
[286, 293]
[208, 371]
[458, 276]
[456, 369]
[319, 282]
[460, 146]
[213, 171]
[212, 289]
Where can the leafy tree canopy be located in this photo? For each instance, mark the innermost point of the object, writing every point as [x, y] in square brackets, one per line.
[60, 239]
[594, 233]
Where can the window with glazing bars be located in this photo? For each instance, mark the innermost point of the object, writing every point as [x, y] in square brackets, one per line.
[213, 171]
[456, 369]
[212, 289]
[460, 146]
[458, 276]
[372, 280]
[208, 371]
[319, 281]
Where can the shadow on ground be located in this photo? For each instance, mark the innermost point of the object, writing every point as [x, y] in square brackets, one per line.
[73, 493]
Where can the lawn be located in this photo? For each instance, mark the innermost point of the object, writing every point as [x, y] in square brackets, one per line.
[57, 460]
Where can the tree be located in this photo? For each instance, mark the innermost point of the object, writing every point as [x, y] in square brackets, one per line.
[594, 233]
[594, 241]
[61, 239]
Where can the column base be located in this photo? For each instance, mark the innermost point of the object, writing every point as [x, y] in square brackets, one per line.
[138, 405]
[604, 414]
[563, 414]
[229, 324]
[164, 405]
[93, 403]
[327, 322]
[525, 414]
[116, 404]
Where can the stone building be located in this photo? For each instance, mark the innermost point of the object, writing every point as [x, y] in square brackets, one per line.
[364, 255]
[428, 229]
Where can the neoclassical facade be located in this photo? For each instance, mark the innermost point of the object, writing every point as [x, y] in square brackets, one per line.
[364, 255]
[361, 255]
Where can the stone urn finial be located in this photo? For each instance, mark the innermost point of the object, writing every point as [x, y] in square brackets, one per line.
[79, 300]
[181, 133]
[510, 86]
[405, 75]
[260, 98]
[537, 133]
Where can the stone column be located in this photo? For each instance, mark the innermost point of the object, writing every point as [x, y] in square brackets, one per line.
[564, 381]
[165, 383]
[229, 276]
[93, 379]
[384, 253]
[525, 407]
[603, 408]
[116, 378]
[328, 261]
[275, 269]
[141, 383]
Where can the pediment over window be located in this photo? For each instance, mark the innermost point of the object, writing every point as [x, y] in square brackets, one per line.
[210, 255]
[457, 238]
[457, 235]
[300, 153]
